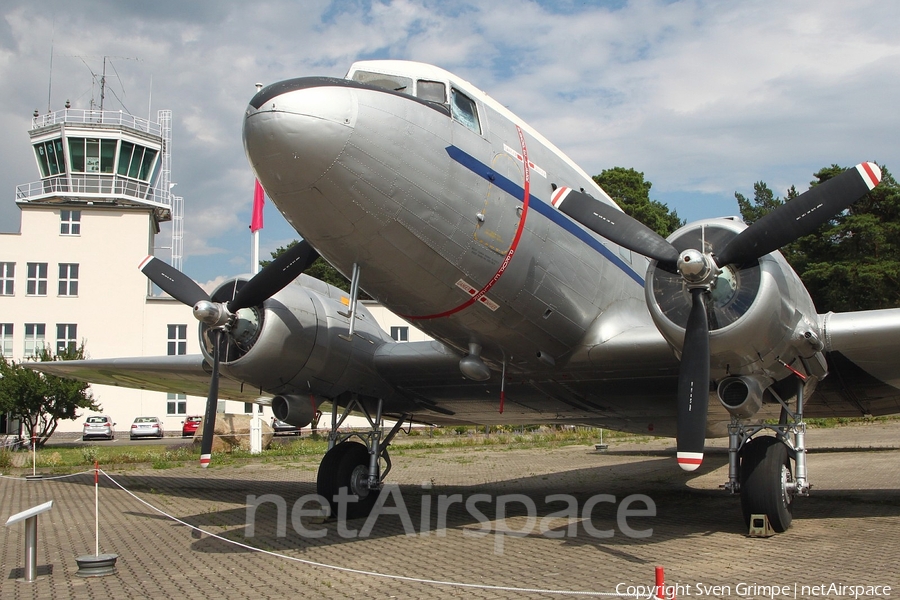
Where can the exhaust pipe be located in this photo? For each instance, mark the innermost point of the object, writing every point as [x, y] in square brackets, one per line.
[742, 396]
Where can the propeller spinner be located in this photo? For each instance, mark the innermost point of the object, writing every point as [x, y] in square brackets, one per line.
[220, 316]
[699, 271]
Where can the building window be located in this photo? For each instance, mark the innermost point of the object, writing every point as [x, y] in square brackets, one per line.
[400, 334]
[66, 337]
[248, 408]
[34, 338]
[70, 222]
[176, 404]
[6, 340]
[36, 283]
[68, 279]
[177, 340]
[7, 278]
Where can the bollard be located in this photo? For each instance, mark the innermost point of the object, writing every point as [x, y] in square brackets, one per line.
[30, 518]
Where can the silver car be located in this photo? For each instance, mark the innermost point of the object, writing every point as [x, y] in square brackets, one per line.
[100, 427]
[147, 427]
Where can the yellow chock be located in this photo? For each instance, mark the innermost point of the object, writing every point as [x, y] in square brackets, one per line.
[760, 526]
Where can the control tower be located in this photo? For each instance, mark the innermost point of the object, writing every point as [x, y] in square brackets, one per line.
[102, 158]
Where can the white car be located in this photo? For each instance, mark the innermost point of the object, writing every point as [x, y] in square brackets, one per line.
[147, 427]
[99, 426]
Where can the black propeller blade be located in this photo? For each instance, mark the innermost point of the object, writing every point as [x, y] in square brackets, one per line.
[693, 385]
[616, 226]
[172, 281]
[275, 276]
[260, 288]
[212, 400]
[792, 220]
[801, 216]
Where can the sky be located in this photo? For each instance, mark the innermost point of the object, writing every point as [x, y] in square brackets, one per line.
[705, 97]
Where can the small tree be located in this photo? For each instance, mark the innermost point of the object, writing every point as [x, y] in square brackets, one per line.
[42, 400]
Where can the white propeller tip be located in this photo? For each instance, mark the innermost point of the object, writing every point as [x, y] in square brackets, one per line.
[689, 461]
[204, 460]
[871, 174]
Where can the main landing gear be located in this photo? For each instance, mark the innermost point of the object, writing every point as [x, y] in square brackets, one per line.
[353, 468]
[759, 468]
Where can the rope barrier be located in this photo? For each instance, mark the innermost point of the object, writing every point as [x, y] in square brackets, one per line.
[312, 563]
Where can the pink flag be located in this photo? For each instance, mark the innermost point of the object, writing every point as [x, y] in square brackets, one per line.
[259, 200]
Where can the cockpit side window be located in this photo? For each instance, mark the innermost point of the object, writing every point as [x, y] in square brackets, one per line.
[395, 83]
[463, 109]
[432, 91]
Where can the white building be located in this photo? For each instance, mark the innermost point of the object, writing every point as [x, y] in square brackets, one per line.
[70, 275]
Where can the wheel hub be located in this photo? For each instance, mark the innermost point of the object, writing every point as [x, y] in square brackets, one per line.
[359, 481]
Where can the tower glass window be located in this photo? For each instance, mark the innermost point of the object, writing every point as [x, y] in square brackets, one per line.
[36, 281]
[70, 222]
[50, 157]
[92, 155]
[68, 279]
[7, 278]
[400, 334]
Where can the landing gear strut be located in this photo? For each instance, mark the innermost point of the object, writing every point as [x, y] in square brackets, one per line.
[759, 468]
[355, 466]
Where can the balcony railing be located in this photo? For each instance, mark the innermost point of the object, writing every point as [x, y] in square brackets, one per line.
[96, 117]
[93, 186]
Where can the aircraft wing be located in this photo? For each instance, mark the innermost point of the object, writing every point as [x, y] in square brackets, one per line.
[186, 374]
[863, 351]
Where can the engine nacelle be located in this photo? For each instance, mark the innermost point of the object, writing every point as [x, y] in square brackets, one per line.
[293, 409]
[742, 396]
[293, 342]
[754, 310]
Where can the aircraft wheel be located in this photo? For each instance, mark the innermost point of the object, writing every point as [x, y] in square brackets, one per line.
[765, 477]
[347, 466]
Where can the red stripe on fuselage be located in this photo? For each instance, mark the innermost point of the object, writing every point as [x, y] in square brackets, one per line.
[509, 254]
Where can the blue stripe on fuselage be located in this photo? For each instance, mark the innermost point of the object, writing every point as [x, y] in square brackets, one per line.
[544, 208]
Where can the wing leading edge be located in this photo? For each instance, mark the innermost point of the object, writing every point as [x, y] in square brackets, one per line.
[186, 374]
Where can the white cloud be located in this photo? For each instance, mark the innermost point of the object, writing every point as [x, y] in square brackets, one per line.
[703, 96]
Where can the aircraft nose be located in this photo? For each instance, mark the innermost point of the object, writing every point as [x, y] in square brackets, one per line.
[295, 130]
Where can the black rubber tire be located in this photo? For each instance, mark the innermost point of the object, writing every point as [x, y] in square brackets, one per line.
[335, 471]
[765, 467]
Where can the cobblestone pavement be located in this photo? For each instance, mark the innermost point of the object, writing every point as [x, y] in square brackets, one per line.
[844, 534]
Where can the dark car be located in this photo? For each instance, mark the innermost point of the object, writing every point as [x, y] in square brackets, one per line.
[190, 426]
[282, 428]
[100, 427]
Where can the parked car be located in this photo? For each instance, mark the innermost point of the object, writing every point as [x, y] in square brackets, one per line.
[101, 427]
[146, 427]
[190, 426]
[280, 427]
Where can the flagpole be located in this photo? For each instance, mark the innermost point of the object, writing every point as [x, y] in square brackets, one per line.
[256, 223]
[254, 252]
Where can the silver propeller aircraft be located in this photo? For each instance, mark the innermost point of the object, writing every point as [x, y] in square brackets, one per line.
[547, 303]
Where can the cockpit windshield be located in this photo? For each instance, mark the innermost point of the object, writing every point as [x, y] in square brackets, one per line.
[395, 83]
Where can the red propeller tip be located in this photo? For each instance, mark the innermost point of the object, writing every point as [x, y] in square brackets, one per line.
[204, 460]
[870, 173]
[145, 261]
[689, 461]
